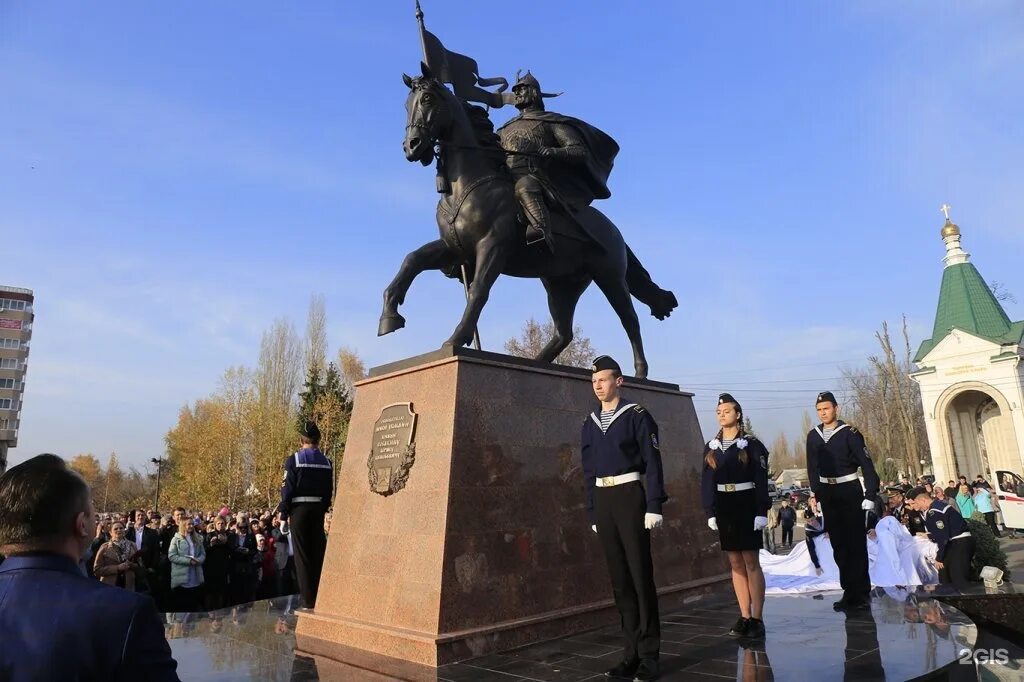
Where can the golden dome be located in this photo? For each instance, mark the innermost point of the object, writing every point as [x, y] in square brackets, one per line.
[950, 229]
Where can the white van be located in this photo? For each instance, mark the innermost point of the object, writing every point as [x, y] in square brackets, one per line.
[1011, 504]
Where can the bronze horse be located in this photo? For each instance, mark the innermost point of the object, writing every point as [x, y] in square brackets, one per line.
[479, 225]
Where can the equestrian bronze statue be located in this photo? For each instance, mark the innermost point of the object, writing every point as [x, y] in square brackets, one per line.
[539, 176]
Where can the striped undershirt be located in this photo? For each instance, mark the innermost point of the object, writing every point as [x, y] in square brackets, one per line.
[726, 444]
[606, 419]
[827, 433]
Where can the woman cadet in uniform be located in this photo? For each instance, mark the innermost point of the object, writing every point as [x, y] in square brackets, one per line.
[734, 492]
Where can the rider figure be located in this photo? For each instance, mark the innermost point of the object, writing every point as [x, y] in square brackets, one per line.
[553, 157]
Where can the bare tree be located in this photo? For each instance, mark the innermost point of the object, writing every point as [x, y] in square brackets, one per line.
[800, 444]
[1001, 293]
[315, 356]
[280, 364]
[886, 404]
[580, 353]
[781, 456]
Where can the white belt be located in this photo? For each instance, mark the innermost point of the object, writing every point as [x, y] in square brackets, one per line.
[962, 535]
[839, 479]
[611, 481]
[307, 499]
[734, 487]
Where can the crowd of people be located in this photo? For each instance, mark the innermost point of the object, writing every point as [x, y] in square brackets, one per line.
[193, 561]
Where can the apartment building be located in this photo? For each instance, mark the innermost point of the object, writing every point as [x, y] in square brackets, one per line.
[16, 317]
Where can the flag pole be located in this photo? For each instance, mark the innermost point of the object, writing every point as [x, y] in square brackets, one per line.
[423, 33]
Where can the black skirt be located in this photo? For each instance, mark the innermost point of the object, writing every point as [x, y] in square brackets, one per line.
[734, 513]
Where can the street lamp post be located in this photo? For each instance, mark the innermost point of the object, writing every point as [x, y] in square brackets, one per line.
[157, 461]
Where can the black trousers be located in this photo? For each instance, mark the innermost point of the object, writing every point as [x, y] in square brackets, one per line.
[990, 519]
[187, 599]
[787, 535]
[840, 504]
[309, 541]
[619, 512]
[956, 567]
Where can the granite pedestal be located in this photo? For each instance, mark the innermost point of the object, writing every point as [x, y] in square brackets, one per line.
[488, 547]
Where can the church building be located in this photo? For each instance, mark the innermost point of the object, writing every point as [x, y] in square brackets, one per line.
[971, 376]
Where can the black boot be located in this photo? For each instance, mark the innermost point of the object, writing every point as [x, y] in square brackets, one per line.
[755, 629]
[647, 671]
[536, 233]
[624, 670]
[740, 629]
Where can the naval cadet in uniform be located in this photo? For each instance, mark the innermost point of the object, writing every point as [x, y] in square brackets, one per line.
[625, 489]
[734, 492]
[835, 450]
[305, 498]
[947, 529]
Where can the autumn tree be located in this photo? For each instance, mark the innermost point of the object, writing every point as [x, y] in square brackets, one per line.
[88, 467]
[113, 480]
[352, 369]
[579, 353]
[885, 404]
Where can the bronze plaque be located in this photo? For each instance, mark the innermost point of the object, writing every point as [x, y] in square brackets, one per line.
[393, 451]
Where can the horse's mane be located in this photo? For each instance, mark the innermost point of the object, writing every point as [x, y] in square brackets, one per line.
[483, 128]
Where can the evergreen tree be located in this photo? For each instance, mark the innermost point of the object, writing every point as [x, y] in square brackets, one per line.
[311, 391]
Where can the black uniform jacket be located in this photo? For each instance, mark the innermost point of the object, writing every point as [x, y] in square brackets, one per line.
[943, 523]
[729, 469]
[630, 444]
[844, 452]
[308, 477]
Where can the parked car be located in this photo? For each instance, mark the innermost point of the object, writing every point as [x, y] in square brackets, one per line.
[798, 497]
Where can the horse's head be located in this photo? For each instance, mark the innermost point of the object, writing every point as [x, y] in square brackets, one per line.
[428, 115]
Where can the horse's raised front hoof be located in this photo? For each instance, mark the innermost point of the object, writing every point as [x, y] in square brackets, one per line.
[390, 323]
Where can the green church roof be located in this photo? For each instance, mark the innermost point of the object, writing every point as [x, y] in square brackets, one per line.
[966, 303]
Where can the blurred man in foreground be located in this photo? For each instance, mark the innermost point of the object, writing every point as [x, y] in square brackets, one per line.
[55, 623]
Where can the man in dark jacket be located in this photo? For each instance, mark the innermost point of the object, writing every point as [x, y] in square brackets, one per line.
[147, 544]
[55, 623]
[787, 519]
[244, 563]
[216, 566]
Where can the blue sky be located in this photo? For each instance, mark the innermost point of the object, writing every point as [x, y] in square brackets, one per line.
[174, 176]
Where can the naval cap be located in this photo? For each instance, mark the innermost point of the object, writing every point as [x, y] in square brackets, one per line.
[727, 398]
[603, 362]
[893, 490]
[917, 492]
[826, 397]
[309, 430]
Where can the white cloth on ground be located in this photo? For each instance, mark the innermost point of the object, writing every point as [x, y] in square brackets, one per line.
[895, 557]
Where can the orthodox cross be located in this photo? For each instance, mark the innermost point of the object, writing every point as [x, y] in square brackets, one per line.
[945, 209]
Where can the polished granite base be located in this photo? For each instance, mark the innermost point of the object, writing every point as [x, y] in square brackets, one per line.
[903, 636]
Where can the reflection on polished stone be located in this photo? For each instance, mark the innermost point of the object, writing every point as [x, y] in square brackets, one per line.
[904, 635]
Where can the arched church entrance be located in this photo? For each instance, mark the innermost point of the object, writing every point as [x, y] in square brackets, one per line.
[981, 435]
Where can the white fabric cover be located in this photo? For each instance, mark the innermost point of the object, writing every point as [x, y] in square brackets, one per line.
[895, 558]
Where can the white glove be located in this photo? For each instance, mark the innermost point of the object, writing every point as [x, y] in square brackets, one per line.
[712, 523]
[760, 522]
[594, 528]
[652, 521]
[867, 505]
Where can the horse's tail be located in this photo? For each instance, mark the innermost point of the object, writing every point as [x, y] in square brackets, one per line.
[641, 286]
